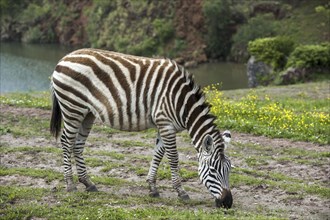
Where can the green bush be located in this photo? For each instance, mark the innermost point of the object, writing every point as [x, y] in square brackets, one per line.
[32, 35]
[164, 30]
[137, 27]
[273, 51]
[35, 12]
[310, 56]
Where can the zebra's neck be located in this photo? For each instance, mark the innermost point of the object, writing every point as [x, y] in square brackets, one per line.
[194, 114]
[199, 124]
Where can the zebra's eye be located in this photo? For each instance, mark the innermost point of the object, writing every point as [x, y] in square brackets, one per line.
[207, 143]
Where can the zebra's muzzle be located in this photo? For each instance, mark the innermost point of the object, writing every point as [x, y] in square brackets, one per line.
[226, 200]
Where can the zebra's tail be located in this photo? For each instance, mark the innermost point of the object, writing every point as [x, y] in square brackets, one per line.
[56, 119]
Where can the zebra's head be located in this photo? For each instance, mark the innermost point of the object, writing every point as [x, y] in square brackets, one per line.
[214, 168]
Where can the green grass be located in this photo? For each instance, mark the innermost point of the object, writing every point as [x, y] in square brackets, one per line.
[19, 202]
[299, 112]
[24, 125]
[262, 154]
[263, 112]
[105, 205]
[30, 100]
[28, 149]
[241, 176]
[46, 174]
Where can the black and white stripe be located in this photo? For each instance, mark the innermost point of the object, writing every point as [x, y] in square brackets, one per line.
[135, 93]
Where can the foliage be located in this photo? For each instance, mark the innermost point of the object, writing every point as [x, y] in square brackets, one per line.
[310, 56]
[272, 50]
[257, 27]
[218, 20]
[35, 12]
[307, 23]
[35, 21]
[33, 35]
[163, 29]
[263, 116]
[8, 7]
[324, 11]
[138, 27]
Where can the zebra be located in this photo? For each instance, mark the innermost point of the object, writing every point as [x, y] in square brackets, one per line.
[133, 93]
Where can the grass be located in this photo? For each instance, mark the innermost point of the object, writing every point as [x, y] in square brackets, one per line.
[47, 174]
[103, 206]
[242, 176]
[123, 198]
[28, 149]
[30, 100]
[24, 125]
[260, 112]
[299, 112]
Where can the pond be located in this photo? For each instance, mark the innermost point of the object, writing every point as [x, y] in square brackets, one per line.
[28, 67]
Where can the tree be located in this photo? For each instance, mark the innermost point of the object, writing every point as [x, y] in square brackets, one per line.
[218, 21]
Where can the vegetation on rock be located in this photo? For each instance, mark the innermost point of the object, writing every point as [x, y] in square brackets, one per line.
[194, 30]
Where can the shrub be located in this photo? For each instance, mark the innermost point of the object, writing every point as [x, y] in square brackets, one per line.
[35, 12]
[273, 51]
[310, 56]
[135, 27]
[32, 35]
[164, 30]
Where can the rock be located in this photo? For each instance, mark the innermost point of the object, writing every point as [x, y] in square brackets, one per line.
[293, 75]
[264, 7]
[258, 73]
[190, 64]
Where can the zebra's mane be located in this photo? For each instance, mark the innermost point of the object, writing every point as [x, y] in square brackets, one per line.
[198, 95]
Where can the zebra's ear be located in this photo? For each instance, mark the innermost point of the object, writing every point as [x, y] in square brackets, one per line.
[208, 143]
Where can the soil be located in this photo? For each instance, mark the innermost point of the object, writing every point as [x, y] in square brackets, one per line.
[246, 197]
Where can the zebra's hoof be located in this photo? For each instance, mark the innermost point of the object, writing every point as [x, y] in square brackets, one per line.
[71, 189]
[184, 197]
[91, 188]
[154, 194]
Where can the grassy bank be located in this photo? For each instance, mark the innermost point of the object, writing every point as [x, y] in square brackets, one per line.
[299, 112]
[270, 180]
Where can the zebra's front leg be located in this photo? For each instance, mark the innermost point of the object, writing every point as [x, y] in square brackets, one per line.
[169, 140]
[173, 157]
[157, 158]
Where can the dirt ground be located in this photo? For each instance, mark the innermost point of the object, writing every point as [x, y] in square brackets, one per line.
[246, 197]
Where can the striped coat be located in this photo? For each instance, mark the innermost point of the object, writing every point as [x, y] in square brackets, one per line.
[135, 93]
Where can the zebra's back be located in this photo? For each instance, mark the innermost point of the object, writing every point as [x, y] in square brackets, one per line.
[123, 91]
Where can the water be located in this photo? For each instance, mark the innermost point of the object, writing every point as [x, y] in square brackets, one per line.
[28, 67]
[229, 75]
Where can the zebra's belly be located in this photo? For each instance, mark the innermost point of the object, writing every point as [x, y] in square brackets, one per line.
[131, 124]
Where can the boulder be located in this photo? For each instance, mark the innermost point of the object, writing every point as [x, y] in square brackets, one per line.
[258, 73]
[293, 75]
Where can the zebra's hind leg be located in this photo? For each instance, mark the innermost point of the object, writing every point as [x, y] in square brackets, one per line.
[67, 141]
[78, 149]
[157, 158]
